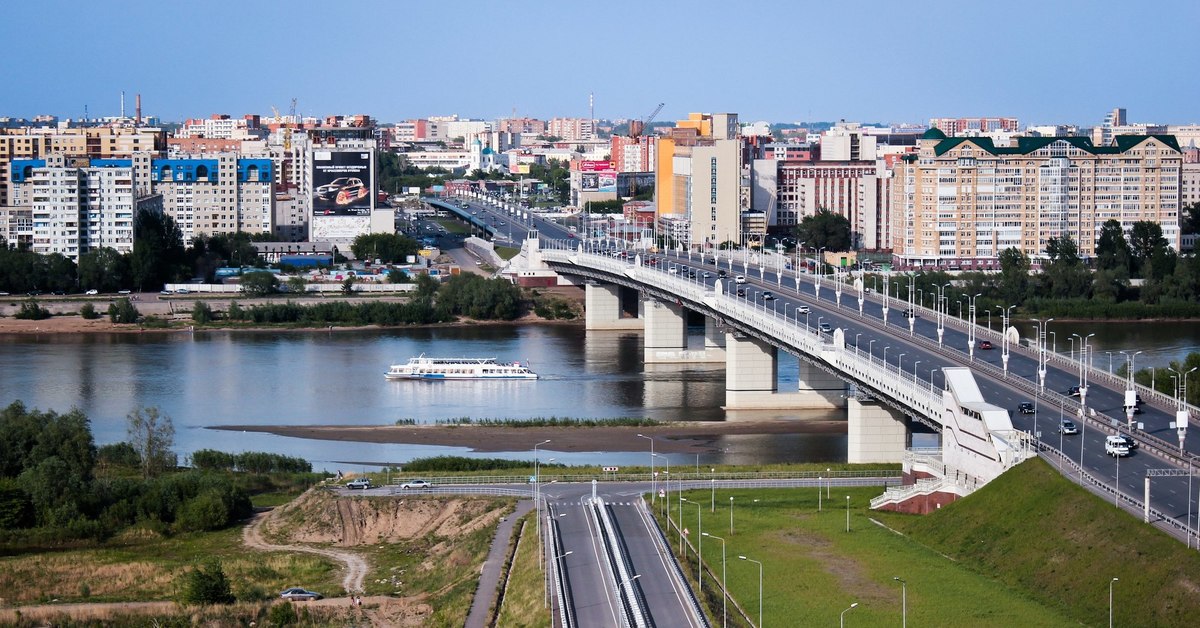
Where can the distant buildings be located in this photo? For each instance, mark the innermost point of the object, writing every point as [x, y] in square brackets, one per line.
[974, 126]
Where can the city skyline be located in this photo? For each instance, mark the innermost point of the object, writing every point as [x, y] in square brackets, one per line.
[1063, 62]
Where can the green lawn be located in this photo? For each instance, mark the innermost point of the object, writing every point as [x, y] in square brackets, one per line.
[813, 569]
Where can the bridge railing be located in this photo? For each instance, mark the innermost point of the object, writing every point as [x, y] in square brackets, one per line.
[876, 373]
[632, 603]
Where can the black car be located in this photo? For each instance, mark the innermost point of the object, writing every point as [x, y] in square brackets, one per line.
[721, 273]
[1129, 442]
[1025, 407]
[741, 292]
[1073, 391]
[767, 296]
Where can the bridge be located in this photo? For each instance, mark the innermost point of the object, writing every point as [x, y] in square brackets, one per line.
[888, 370]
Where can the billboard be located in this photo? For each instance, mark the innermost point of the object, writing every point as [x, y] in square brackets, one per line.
[595, 165]
[598, 181]
[343, 183]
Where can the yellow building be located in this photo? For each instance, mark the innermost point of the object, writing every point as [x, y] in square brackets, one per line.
[958, 202]
[699, 178]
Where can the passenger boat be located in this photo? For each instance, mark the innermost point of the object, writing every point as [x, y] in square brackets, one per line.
[422, 367]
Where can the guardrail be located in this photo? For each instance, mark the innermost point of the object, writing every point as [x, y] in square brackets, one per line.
[632, 605]
[646, 476]
[664, 547]
[562, 585]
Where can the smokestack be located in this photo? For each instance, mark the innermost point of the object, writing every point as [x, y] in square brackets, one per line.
[122, 104]
[138, 105]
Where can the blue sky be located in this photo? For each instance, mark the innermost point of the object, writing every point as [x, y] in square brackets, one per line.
[1044, 61]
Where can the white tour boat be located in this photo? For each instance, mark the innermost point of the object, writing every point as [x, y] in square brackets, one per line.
[422, 367]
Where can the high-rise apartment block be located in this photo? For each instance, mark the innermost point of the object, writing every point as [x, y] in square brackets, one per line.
[961, 201]
[92, 142]
[572, 129]
[702, 177]
[77, 205]
[218, 194]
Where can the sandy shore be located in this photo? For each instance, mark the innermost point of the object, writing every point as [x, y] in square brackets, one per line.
[678, 437]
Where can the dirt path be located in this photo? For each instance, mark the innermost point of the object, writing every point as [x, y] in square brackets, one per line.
[356, 566]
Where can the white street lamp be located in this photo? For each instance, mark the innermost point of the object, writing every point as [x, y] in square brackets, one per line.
[699, 545]
[903, 601]
[1110, 604]
[847, 513]
[537, 497]
[842, 617]
[724, 592]
[760, 587]
[653, 477]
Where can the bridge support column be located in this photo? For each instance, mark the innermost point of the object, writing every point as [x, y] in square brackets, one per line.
[714, 341]
[602, 308]
[877, 433]
[751, 373]
[821, 387]
[665, 339]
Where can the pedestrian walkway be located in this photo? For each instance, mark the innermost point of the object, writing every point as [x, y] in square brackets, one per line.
[493, 566]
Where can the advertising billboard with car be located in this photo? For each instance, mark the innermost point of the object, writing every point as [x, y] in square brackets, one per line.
[342, 183]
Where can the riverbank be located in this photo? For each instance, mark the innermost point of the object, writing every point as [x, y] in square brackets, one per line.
[681, 437]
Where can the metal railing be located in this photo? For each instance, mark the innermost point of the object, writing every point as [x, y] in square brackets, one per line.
[632, 605]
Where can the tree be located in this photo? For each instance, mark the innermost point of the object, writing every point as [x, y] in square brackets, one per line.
[1064, 274]
[259, 283]
[388, 248]
[1112, 250]
[152, 435]
[201, 312]
[122, 311]
[348, 286]
[825, 230]
[206, 584]
[1189, 218]
[158, 252]
[297, 284]
[104, 269]
[1145, 241]
[1014, 275]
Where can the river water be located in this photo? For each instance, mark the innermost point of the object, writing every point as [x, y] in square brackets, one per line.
[309, 378]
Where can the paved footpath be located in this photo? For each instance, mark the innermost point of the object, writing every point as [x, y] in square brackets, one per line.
[489, 577]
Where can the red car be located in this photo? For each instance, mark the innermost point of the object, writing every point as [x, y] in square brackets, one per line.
[985, 344]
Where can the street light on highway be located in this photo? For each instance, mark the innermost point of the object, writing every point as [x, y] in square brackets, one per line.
[1110, 604]
[724, 592]
[971, 327]
[1041, 337]
[537, 497]
[760, 587]
[699, 544]
[653, 477]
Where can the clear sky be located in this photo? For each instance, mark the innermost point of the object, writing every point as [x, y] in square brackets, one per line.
[1043, 61]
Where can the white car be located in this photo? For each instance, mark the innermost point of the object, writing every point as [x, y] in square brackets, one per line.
[1115, 446]
[416, 484]
[802, 309]
[93, 292]
[360, 483]
[739, 279]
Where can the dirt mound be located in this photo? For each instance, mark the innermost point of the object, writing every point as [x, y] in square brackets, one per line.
[321, 517]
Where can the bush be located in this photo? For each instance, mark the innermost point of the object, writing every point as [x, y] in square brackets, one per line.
[282, 614]
[88, 311]
[206, 584]
[235, 312]
[154, 322]
[30, 310]
[259, 283]
[201, 312]
[119, 454]
[123, 311]
[206, 511]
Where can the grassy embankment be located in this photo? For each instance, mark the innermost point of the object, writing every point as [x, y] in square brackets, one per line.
[523, 604]
[1031, 549]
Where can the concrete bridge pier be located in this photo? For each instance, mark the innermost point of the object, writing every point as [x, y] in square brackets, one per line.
[876, 433]
[602, 308]
[714, 340]
[752, 373]
[665, 339]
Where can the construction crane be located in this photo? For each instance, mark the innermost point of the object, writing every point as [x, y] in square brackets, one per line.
[287, 132]
[637, 130]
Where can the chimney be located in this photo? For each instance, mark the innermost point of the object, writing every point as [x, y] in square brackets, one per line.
[138, 108]
[122, 104]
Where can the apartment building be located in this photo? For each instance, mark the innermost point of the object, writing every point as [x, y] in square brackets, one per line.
[92, 142]
[974, 126]
[79, 204]
[571, 129]
[633, 154]
[221, 126]
[219, 194]
[702, 179]
[960, 202]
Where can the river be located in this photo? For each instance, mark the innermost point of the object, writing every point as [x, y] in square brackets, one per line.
[309, 378]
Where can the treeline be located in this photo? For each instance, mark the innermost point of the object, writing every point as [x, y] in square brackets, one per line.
[159, 256]
[56, 485]
[459, 464]
[462, 295]
[249, 462]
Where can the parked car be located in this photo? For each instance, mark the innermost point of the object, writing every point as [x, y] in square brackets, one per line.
[985, 344]
[1067, 426]
[297, 594]
[359, 483]
[1025, 407]
[1115, 446]
[416, 484]
[93, 292]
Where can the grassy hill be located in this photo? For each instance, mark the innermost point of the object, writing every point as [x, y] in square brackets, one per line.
[1035, 531]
